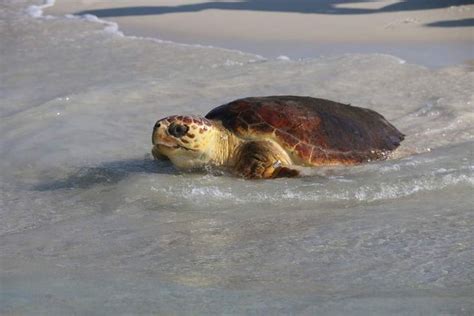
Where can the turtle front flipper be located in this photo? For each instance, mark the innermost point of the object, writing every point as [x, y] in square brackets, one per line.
[263, 160]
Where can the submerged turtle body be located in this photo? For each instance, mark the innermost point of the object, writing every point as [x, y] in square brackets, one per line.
[313, 131]
[268, 137]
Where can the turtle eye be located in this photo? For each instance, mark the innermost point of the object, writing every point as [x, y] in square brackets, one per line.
[177, 130]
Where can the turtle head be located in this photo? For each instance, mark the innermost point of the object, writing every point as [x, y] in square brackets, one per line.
[187, 141]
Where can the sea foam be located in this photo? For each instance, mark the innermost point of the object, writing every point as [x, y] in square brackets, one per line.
[36, 11]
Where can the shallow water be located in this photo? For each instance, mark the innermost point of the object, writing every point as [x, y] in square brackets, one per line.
[90, 224]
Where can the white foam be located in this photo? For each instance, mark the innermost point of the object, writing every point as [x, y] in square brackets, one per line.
[110, 27]
[37, 11]
[283, 57]
[206, 193]
[114, 28]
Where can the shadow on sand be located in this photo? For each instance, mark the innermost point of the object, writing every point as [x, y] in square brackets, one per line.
[293, 6]
[453, 23]
[106, 174]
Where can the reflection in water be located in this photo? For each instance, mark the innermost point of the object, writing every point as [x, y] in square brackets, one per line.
[108, 173]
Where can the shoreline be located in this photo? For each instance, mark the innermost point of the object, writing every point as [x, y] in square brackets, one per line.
[92, 225]
[402, 34]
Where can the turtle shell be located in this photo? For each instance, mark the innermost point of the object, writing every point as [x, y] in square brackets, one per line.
[313, 131]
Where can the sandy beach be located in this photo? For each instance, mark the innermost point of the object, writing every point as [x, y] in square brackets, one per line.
[91, 224]
[433, 33]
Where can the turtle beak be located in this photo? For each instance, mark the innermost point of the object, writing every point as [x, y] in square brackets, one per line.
[158, 136]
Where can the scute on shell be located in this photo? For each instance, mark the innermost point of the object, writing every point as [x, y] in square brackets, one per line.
[314, 131]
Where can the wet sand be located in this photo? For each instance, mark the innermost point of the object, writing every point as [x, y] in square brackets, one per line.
[433, 33]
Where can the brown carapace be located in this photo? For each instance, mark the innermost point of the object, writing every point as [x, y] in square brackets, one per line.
[266, 137]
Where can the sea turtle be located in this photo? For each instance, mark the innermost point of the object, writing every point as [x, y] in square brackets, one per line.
[268, 137]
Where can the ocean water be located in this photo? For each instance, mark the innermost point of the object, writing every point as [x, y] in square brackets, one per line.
[90, 224]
